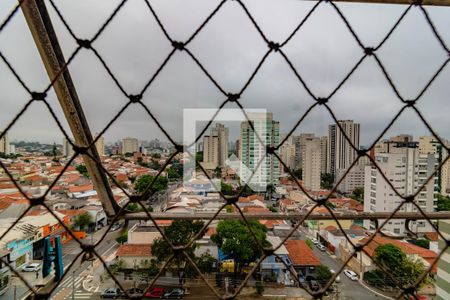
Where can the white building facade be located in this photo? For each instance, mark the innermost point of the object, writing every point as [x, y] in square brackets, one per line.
[407, 170]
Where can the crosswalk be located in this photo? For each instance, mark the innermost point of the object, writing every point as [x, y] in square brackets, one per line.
[72, 285]
[80, 295]
[69, 282]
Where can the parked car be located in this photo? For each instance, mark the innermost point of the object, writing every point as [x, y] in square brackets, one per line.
[321, 247]
[350, 274]
[315, 241]
[116, 226]
[111, 293]
[133, 293]
[174, 294]
[32, 267]
[156, 292]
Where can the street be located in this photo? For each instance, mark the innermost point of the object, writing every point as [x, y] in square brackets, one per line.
[18, 289]
[349, 289]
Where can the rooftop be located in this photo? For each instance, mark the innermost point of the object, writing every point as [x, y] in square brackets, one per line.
[301, 254]
[134, 250]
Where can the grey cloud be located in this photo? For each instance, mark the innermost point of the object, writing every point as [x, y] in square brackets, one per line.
[230, 48]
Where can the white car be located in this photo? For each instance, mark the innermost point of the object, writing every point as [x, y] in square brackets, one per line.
[315, 242]
[321, 247]
[350, 274]
[33, 267]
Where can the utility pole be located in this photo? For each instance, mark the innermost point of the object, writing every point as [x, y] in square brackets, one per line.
[15, 292]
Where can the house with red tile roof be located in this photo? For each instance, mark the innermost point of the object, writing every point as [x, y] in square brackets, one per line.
[287, 205]
[134, 256]
[271, 223]
[412, 251]
[302, 257]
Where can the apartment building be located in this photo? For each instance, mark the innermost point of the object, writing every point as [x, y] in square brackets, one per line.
[215, 147]
[311, 163]
[130, 145]
[100, 145]
[406, 169]
[340, 152]
[252, 150]
[4, 144]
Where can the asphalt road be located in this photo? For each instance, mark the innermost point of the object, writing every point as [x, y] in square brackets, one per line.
[350, 290]
[18, 289]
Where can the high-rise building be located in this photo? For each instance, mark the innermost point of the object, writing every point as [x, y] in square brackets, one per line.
[287, 153]
[352, 180]
[130, 145]
[210, 151]
[222, 133]
[311, 162]
[67, 149]
[4, 144]
[298, 153]
[407, 170]
[323, 154]
[340, 152]
[253, 152]
[100, 145]
[430, 145]
[299, 141]
[215, 147]
[443, 271]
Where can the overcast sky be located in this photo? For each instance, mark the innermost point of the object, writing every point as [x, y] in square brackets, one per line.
[229, 47]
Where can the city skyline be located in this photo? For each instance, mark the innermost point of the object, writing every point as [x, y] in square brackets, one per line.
[182, 84]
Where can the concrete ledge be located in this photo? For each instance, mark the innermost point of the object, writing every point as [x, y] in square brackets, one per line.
[374, 291]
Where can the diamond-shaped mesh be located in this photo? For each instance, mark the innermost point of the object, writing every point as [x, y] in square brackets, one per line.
[134, 98]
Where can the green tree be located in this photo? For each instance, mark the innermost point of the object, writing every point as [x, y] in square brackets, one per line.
[179, 233]
[116, 267]
[330, 205]
[83, 170]
[218, 172]
[199, 156]
[133, 207]
[326, 181]
[297, 174]
[247, 191]
[402, 269]
[226, 188]
[235, 240]
[175, 171]
[270, 190]
[155, 165]
[358, 194]
[205, 262]
[323, 274]
[309, 243]
[83, 220]
[141, 184]
[123, 238]
[422, 243]
[272, 208]
[443, 203]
